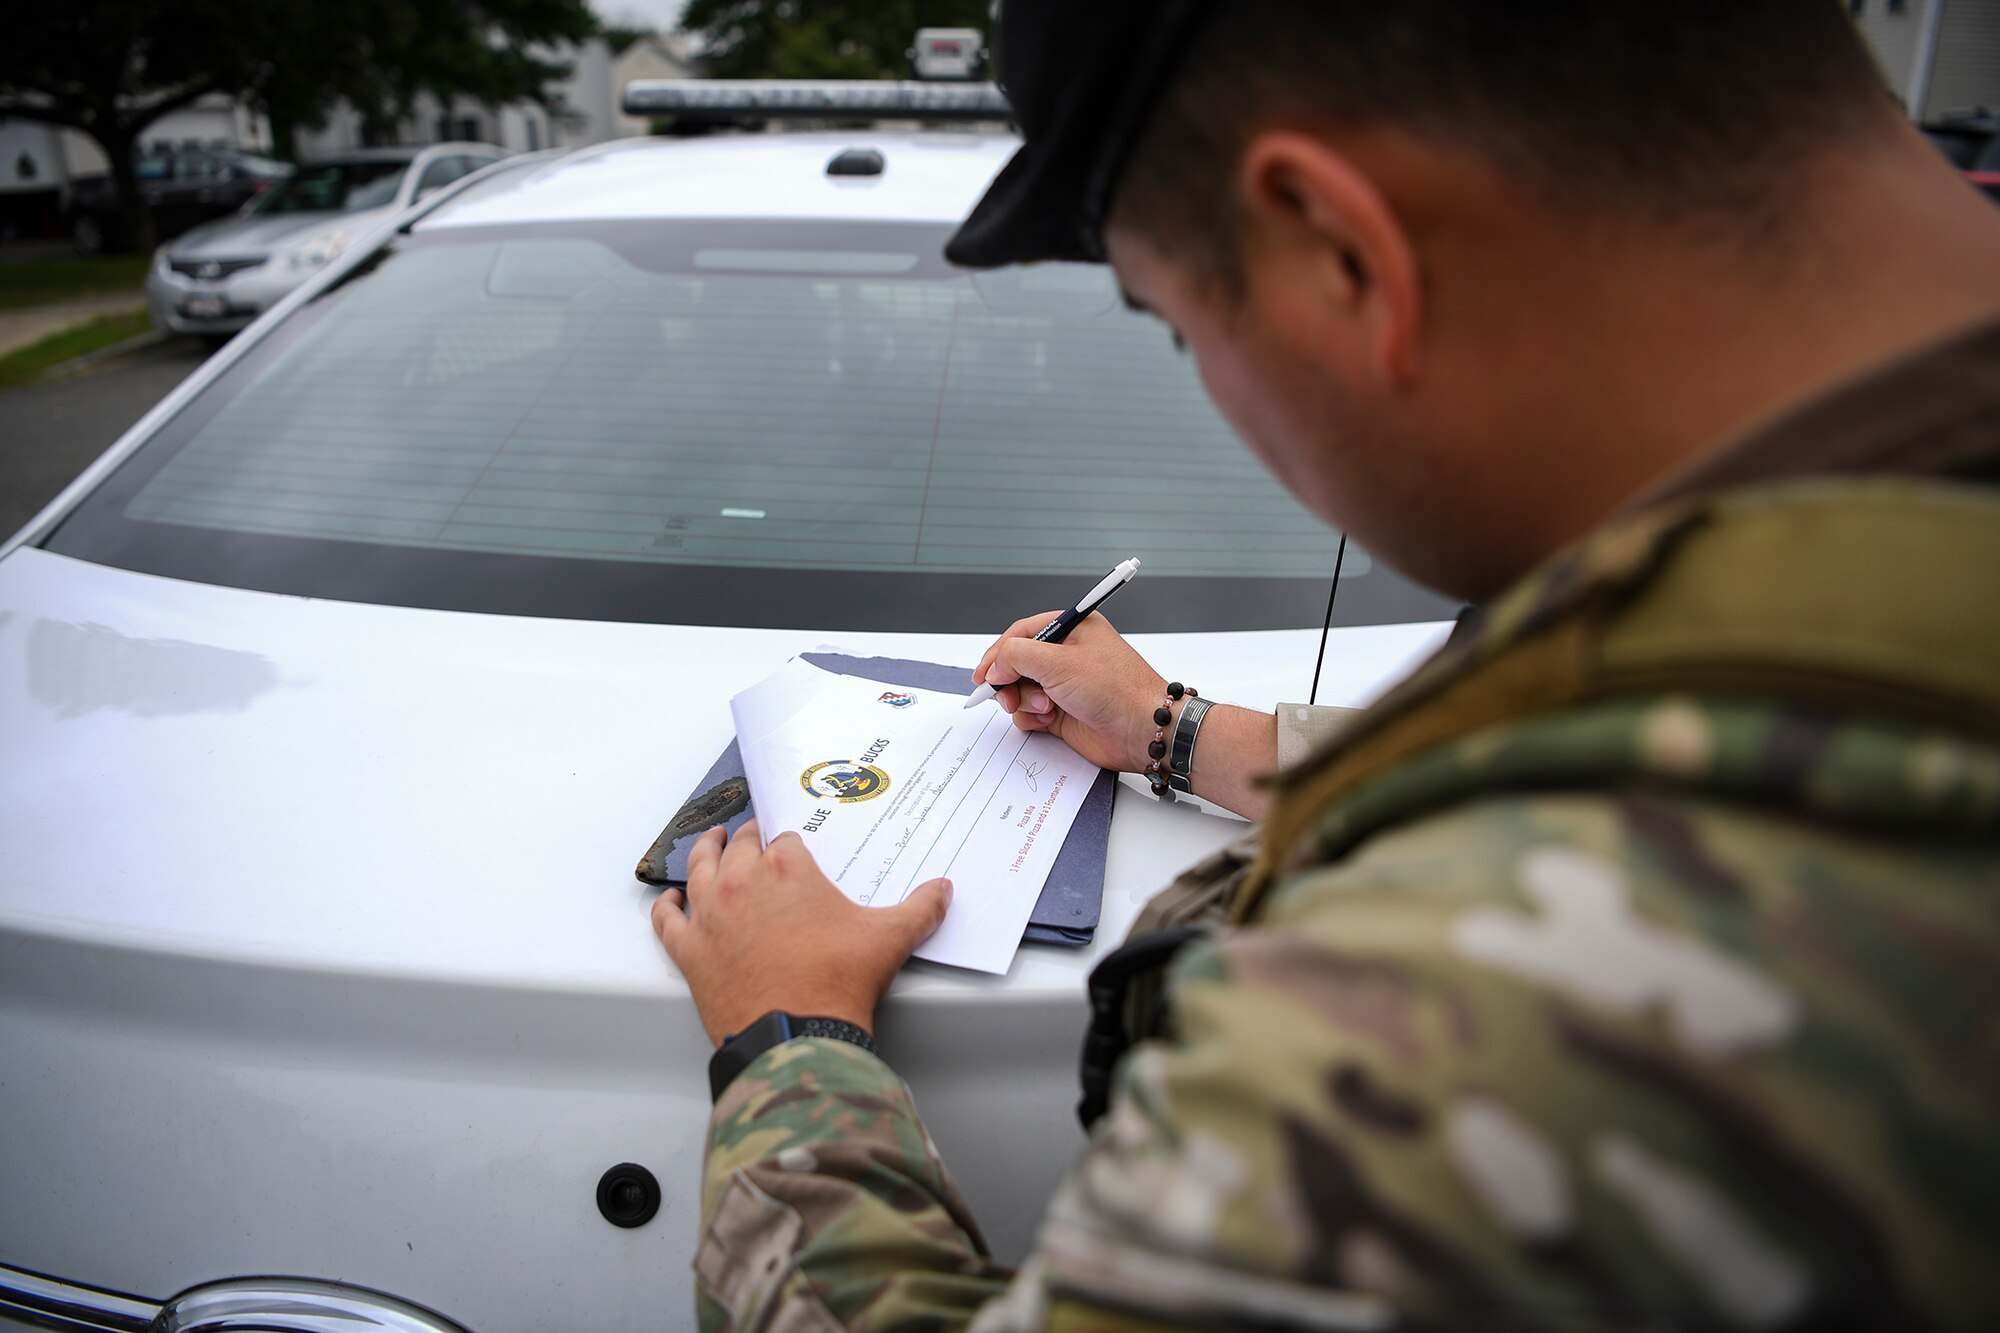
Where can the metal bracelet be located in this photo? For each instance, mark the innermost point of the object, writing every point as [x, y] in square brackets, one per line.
[1180, 765]
[835, 1029]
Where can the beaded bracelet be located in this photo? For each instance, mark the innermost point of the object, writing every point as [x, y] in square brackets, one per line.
[1163, 717]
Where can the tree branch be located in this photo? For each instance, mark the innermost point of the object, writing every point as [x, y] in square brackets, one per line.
[43, 112]
[143, 116]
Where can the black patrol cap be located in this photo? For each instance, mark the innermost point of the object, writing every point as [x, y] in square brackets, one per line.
[1083, 77]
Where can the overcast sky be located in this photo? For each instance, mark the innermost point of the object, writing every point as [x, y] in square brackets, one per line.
[659, 15]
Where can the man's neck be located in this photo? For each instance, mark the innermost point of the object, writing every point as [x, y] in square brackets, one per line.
[1898, 254]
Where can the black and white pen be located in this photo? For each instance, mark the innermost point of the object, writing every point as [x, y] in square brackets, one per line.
[1058, 629]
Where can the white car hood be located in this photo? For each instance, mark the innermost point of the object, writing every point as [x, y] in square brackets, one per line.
[454, 796]
[321, 952]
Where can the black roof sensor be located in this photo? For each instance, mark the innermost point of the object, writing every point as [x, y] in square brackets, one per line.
[855, 162]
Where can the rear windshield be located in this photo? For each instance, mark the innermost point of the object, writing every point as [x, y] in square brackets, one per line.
[749, 423]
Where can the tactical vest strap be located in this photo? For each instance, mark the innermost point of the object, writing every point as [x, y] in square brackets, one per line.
[1114, 984]
[1128, 985]
[1875, 601]
[1866, 598]
[1535, 676]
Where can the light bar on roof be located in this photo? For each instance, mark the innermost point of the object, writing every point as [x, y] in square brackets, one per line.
[744, 100]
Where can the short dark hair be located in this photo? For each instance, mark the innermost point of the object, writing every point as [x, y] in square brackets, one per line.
[1689, 113]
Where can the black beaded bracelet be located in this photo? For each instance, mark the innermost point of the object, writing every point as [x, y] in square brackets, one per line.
[1163, 717]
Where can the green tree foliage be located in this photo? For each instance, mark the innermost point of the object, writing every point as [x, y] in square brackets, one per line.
[820, 39]
[380, 54]
[110, 68]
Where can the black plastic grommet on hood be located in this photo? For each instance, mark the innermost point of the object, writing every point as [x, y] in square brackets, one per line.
[627, 1195]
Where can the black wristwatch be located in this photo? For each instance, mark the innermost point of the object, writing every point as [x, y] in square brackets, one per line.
[776, 1028]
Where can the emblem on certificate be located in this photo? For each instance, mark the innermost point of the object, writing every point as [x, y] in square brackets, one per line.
[844, 780]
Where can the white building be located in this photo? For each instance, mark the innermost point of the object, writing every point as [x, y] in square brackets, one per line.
[37, 162]
[583, 108]
[1965, 70]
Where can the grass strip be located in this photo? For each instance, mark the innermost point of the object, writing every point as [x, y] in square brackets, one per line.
[28, 364]
[42, 281]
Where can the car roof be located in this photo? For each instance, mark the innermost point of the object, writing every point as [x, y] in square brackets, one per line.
[403, 154]
[927, 175]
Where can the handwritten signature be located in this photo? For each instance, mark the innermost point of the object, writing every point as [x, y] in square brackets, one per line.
[1031, 772]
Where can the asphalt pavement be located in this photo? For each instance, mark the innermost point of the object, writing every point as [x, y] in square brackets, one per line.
[50, 432]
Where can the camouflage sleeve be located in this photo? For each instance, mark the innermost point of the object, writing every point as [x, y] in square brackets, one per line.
[823, 1200]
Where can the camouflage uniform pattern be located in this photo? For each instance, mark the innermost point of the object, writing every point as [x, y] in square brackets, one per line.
[816, 1148]
[1675, 1009]
[1303, 728]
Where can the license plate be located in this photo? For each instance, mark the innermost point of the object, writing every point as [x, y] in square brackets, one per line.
[204, 307]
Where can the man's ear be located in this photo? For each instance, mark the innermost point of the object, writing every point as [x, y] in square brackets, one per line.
[1319, 205]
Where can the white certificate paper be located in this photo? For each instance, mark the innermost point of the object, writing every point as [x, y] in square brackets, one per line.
[890, 787]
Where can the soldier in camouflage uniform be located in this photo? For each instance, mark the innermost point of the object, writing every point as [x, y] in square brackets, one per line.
[1636, 963]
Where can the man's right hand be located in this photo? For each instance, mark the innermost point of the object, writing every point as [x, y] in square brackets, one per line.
[1093, 690]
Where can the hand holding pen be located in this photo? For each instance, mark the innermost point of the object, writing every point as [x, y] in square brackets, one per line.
[1072, 675]
[1088, 686]
[1059, 628]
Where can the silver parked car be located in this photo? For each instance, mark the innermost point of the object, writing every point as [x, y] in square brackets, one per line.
[219, 277]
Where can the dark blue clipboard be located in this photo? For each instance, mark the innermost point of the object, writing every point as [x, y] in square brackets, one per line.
[1067, 911]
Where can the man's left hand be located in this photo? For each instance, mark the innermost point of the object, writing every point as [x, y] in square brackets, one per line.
[763, 929]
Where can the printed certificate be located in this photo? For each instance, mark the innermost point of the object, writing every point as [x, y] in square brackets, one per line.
[890, 787]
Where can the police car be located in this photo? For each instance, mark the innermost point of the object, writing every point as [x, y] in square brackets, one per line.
[340, 696]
